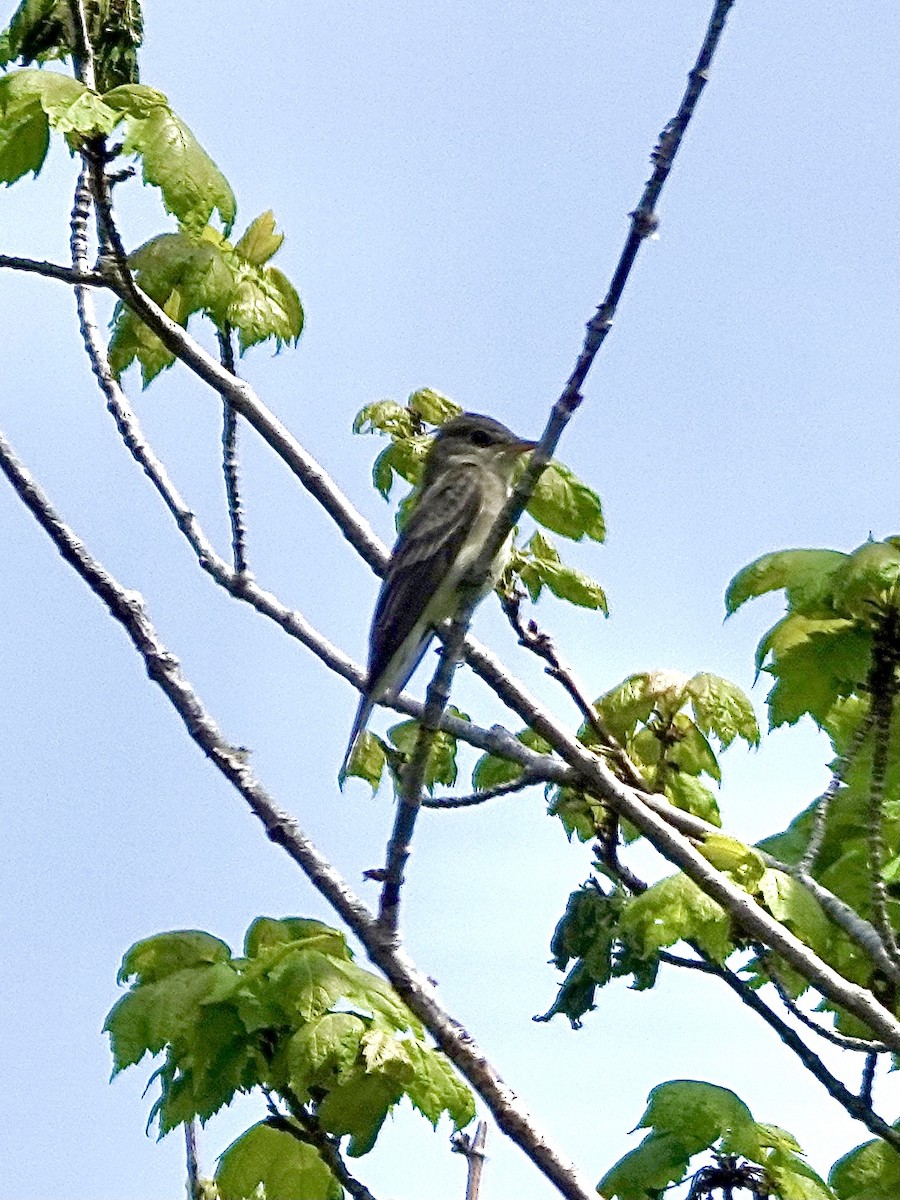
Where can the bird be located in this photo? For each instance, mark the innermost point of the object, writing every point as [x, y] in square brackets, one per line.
[466, 480]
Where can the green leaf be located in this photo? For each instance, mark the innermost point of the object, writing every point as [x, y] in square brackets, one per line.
[154, 1014]
[691, 752]
[259, 241]
[359, 1107]
[24, 130]
[39, 31]
[646, 1171]
[816, 672]
[491, 770]
[688, 793]
[789, 902]
[721, 708]
[323, 1053]
[633, 701]
[266, 933]
[403, 458]
[432, 406]
[172, 159]
[368, 760]
[435, 1088]
[696, 1112]
[156, 957]
[271, 1159]
[563, 503]
[441, 766]
[741, 862]
[385, 416]
[804, 574]
[265, 305]
[867, 584]
[539, 565]
[675, 910]
[869, 1172]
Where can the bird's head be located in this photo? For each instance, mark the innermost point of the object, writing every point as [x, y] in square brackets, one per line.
[477, 440]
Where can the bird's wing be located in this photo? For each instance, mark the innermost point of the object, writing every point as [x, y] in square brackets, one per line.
[422, 560]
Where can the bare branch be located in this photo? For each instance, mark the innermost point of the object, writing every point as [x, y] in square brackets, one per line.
[471, 799]
[415, 989]
[51, 270]
[194, 1182]
[541, 644]
[856, 1106]
[473, 1149]
[823, 803]
[413, 780]
[230, 465]
[830, 1035]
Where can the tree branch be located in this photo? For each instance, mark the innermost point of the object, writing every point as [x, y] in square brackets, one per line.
[230, 465]
[51, 270]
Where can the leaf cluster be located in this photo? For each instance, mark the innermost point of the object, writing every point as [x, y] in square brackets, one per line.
[821, 650]
[687, 1117]
[373, 756]
[294, 1016]
[202, 271]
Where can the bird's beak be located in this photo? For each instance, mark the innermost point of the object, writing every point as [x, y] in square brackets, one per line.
[523, 447]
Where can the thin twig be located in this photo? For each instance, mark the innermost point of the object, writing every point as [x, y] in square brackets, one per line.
[194, 1182]
[845, 1042]
[856, 1106]
[868, 1078]
[541, 644]
[471, 799]
[473, 1149]
[230, 465]
[415, 989]
[823, 802]
[643, 224]
[51, 270]
[413, 781]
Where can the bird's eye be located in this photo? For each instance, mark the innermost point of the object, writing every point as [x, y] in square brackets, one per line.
[480, 437]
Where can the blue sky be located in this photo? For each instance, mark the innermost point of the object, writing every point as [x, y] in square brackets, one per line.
[454, 183]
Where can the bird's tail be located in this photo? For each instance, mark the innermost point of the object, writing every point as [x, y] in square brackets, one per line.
[363, 712]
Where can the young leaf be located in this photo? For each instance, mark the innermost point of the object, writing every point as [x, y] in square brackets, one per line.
[633, 701]
[741, 862]
[432, 406]
[38, 31]
[804, 574]
[156, 957]
[259, 241]
[279, 1164]
[491, 770]
[368, 760]
[539, 564]
[688, 793]
[675, 910]
[265, 305]
[721, 708]
[563, 503]
[172, 159]
[867, 584]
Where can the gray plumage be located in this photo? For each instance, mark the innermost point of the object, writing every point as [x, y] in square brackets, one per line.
[465, 483]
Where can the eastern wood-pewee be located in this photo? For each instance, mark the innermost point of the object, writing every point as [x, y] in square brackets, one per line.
[466, 481]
